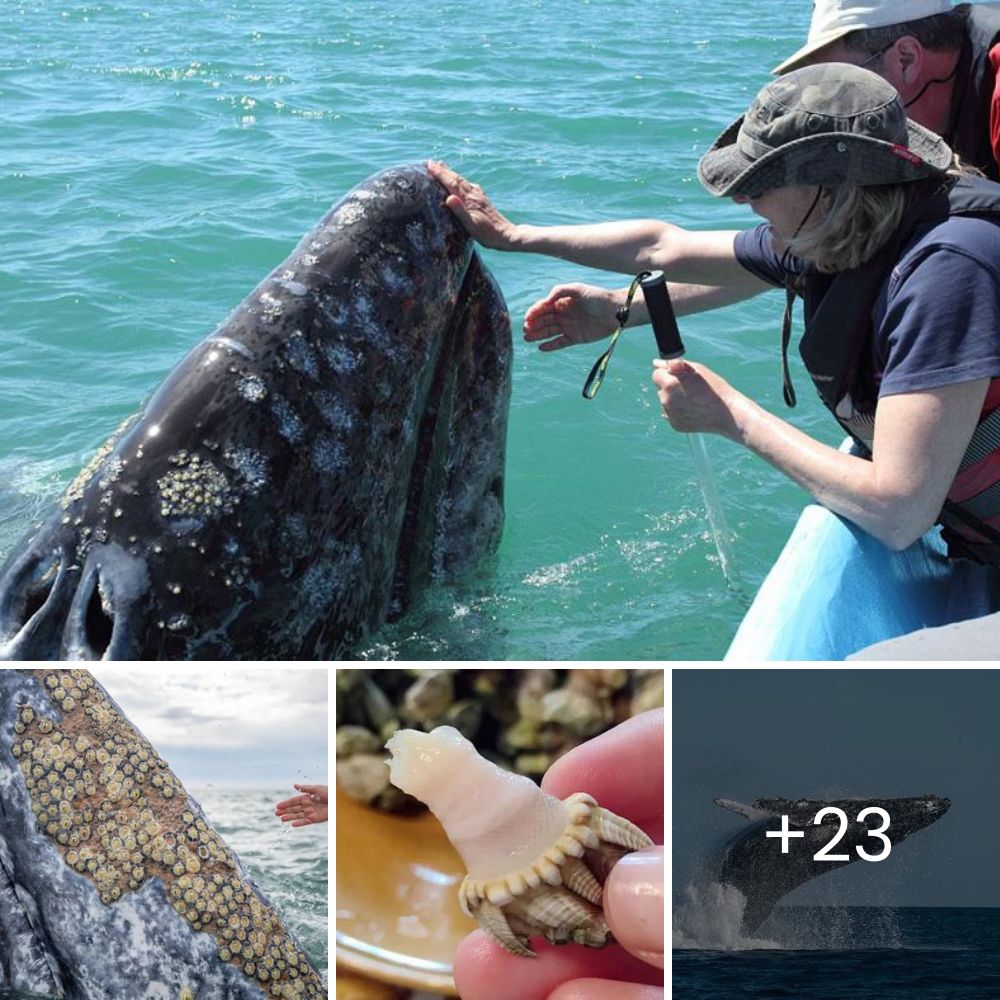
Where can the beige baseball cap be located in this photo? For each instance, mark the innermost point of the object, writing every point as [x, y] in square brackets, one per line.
[832, 19]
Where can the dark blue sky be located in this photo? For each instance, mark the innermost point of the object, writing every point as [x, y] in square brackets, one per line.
[808, 733]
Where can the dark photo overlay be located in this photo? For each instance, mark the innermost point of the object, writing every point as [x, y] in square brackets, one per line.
[836, 834]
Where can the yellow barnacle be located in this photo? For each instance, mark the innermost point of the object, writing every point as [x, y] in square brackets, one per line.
[179, 869]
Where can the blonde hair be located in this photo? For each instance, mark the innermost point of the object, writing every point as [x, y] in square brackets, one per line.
[858, 222]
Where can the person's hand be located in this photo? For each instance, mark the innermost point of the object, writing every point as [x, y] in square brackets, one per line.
[571, 314]
[473, 209]
[306, 809]
[623, 770]
[694, 398]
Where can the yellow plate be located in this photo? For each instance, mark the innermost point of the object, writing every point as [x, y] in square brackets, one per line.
[398, 918]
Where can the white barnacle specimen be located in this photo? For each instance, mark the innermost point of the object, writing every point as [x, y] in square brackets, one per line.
[536, 864]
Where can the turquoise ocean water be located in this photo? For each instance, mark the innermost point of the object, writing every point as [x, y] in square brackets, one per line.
[157, 160]
[290, 866]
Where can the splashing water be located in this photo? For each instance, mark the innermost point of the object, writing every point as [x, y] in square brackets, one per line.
[710, 918]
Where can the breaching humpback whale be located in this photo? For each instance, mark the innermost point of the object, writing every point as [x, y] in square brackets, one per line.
[753, 863]
[113, 885]
[338, 441]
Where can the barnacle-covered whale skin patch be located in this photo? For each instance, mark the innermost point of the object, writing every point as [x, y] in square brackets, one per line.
[117, 871]
[537, 864]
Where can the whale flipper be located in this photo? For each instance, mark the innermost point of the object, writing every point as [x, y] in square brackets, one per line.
[331, 448]
[747, 812]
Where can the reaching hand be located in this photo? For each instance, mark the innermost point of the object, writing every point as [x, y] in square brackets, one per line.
[306, 809]
[571, 314]
[473, 209]
[695, 399]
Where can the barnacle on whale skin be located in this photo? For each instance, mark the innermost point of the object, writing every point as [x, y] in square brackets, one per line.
[536, 864]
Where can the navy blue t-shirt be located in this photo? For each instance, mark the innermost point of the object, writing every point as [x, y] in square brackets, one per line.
[937, 318]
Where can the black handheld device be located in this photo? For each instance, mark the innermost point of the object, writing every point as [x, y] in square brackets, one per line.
[661, 315]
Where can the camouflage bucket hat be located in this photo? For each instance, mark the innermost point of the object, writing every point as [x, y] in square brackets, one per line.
[826, 124]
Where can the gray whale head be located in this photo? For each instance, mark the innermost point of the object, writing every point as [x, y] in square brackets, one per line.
[335, 444]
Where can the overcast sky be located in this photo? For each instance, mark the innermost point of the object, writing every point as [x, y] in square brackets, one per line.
[263, 727]
[747, 734]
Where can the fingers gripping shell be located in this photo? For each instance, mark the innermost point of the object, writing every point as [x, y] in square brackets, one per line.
[541, 874]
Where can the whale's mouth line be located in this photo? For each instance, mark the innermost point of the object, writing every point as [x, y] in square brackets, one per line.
[415, 548]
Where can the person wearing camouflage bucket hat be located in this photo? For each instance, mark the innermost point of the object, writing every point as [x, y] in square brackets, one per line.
[894, 253]
[825, 124]
[941, 58]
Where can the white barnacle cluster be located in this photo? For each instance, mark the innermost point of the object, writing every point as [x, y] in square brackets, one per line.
[352, 208]
[536, 864]
[193, 488]
[270, 307]
[81, 481]
[251, 388]
[120, 818]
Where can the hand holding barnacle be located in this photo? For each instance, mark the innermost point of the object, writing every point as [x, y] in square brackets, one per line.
[536, 864]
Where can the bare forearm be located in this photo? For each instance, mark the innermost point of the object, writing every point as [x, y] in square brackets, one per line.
[846, 484]
[689, 299]
[626, 246]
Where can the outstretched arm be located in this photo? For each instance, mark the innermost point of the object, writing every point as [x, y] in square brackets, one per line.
[306, 809]
[629, 246]
[578, 314]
